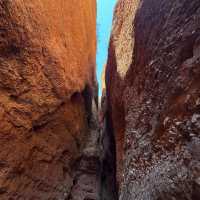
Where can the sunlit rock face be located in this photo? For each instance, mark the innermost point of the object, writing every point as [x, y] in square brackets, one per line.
[120, 57]
[47, 79]
[154, 108]
[122, 34]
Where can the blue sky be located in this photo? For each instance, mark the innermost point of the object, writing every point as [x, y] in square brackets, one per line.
[104, 24]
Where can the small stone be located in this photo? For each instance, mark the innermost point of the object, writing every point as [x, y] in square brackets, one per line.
[198, 101]
[165, 121]
[197, 181]
[195, 117]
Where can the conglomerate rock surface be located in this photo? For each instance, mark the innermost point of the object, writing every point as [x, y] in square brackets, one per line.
[154, 98]
[47, 83]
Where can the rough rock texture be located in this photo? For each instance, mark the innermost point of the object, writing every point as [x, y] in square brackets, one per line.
[87, 179]
[122, 34]
[120, 57]
[155, 108]
[108, 151]
[47, 81]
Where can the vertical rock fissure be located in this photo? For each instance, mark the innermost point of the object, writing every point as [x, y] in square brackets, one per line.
[86, 184]
[108, 154]
[95, 169]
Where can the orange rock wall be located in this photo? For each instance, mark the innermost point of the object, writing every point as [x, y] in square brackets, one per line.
[47, 58]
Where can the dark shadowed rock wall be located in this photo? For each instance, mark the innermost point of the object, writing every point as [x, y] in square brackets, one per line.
[153, 91]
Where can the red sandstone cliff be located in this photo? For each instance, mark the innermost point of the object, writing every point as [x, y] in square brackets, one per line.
[152, 81]
[47, 76]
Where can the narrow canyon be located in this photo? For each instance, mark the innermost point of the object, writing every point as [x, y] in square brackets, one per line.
[60, 141]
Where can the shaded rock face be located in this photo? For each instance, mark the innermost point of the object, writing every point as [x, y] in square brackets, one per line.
[108, 189]
[47, 83]
[120, 56]
[154, 108]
